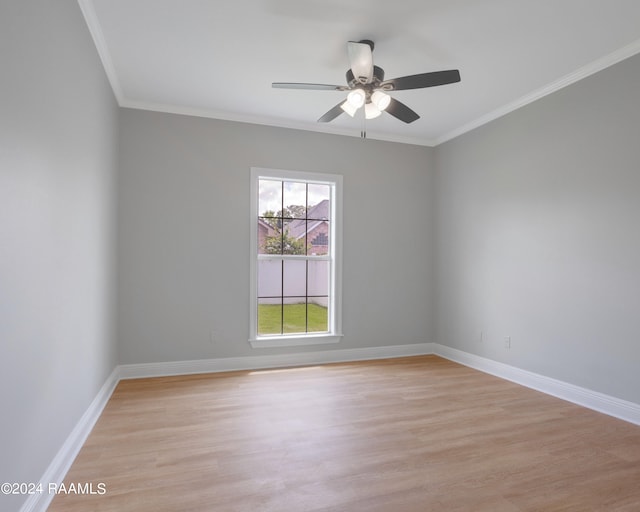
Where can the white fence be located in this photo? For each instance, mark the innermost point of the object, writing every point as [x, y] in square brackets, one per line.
[294, 280]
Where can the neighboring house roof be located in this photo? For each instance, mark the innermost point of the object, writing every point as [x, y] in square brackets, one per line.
[319, 213]
[267, 226]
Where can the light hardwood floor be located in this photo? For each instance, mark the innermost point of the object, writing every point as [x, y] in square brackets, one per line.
[410, 434]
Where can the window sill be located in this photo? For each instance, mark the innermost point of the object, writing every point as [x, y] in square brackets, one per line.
[293, 341]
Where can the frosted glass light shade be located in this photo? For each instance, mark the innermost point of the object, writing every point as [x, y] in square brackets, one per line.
[371, 111]
[348, 108]
[356, 98]
[380, 99]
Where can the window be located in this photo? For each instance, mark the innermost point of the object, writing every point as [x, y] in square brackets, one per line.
[320, 239]
[295, 258]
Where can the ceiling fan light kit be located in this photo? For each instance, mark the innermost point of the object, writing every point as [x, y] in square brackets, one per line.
[367, 86]
[374, 103]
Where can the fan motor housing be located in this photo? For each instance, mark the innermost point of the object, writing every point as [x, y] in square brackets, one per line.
[378, 75]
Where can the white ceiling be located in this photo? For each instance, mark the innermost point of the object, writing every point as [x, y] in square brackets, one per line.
[218, 58]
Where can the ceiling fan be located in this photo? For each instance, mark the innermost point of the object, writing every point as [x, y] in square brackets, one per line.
[368, 88]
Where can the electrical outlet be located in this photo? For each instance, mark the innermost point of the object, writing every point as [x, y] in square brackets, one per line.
[213, 337]
[507, 342]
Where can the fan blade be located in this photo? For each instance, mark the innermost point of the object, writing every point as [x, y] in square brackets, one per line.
[423, 80]
[312, 87]
[332, 114]
[401, 111]
[361, 61]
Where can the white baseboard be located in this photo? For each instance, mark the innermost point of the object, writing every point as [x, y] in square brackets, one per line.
[600, 402]
[136, 371]
[61, 463]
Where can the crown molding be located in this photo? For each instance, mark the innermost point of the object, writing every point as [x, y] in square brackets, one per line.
[267, 121]
[89, 12]
[594, 67]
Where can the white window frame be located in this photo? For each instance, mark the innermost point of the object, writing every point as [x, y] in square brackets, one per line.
[334, 335]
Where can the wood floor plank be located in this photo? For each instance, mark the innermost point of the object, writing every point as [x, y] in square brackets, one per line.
[400, 435]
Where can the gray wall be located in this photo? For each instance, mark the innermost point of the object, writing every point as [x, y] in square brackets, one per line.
[538, 239]
[184, 234]
[530, 222]
[58, 122]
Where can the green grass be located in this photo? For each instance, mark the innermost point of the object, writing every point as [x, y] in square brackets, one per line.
[272, 321]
